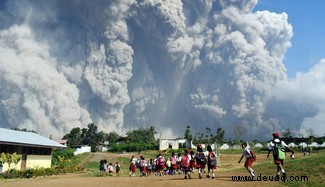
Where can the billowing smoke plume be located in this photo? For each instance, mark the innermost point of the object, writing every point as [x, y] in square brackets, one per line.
[124, 64]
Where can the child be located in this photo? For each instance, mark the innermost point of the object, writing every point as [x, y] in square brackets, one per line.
[110, 169]
[185, 164]
[212, 161]
[143, 166]
[117, 169]
[249, 159]
[161, 164]
[179, 160]
[200, 160]
[102, 167]
[150, 166]
[173, 162]
[132, 166]
[277, 146]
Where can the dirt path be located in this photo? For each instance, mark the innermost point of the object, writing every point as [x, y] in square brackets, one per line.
[223, 177]
[155, 181]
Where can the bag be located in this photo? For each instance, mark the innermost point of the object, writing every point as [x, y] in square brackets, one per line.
[161, 161]
[278, 150]
[142, 163]
[185, 163]
[117, 167]
[173, 160]
[157, 162]
[253, 158]
[212, 159]
[200, 158]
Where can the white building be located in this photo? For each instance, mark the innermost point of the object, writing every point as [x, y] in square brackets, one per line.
[174, 144]
[82, 149]
[224, 146]
[292, 144]
[258, 145]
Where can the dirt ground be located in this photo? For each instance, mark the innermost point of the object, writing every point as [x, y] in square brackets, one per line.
[222, 178]
[152, 181]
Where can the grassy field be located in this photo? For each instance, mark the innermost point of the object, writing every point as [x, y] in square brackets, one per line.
[302, 171]
[312, 166]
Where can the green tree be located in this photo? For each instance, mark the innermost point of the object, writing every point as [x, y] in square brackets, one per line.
[146, 135]
[188, 133]
[112, 137]
[220, 135]
[90, 135]
[73, 137]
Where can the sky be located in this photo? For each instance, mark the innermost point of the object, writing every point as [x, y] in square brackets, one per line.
[250, 67]
[308, 41]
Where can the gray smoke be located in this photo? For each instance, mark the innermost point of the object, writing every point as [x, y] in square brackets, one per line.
[124, 64]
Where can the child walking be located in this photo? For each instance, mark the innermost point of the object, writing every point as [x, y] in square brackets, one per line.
[185, 164]
[110, 169]
[278, 146]
[117, 169]
[212, 162]
[249, 159]
[133, 161]
[200, 160]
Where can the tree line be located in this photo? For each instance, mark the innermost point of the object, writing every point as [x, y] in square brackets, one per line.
[91, 136]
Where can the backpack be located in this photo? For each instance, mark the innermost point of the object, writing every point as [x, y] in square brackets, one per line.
[173, 160]
[117, 167]
[142, 163]
[278, 150]
[253, 158]
[161, 161]
[200, 158]
[212, 159]
[185, 162]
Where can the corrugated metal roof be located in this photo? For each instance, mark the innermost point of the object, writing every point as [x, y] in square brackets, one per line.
[29, 138]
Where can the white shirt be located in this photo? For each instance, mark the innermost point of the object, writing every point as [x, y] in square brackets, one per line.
[246, 152]
[133, 160]
[277, 140]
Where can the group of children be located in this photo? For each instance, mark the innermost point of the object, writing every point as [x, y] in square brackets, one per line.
[185, 163]
[104, 167]
[276, 146]
[189, 161]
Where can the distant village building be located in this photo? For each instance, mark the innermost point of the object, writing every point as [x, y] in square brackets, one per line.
[258, 145]
[35, 150]
[236, 147]
[62, 142]
[224, 146]
[303, 144]
[314, 144]
[322, 145]
[174, 144]
[292, 144]
[79, 149]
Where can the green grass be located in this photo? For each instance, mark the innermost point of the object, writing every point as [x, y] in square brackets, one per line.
[312, 166]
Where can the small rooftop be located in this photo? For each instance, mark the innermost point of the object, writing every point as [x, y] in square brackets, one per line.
[8, 136]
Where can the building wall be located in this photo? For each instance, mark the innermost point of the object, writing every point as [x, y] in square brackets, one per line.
[175, 143]
[32, 162]
[38, 161]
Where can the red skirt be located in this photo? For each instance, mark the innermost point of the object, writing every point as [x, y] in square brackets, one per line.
[132, 167]
[248, 162]
[143, 169]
